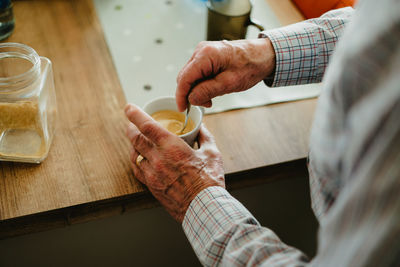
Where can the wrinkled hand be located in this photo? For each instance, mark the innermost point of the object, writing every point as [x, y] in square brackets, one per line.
[173, 171]
[218, 68]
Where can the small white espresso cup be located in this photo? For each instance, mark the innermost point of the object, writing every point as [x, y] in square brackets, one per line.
[169, 103]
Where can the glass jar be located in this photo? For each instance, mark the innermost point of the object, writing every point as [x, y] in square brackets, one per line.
[27, 104]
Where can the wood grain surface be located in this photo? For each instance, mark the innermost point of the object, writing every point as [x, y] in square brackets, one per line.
[87, 174]
[263, 136]
[88, 160]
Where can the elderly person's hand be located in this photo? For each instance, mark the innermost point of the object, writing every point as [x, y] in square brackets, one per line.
[173, 171]
[218, 68]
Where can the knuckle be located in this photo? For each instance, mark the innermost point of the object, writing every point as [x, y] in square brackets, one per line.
[138, 140]
[208, 49]
[205, 48]
[149, 128]
[153, 130]
[212, 153]
[131, 135]
[201, 44]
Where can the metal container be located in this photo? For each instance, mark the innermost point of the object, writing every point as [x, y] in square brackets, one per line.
[229, 19]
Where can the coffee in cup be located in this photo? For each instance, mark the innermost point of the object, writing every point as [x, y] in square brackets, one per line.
[165, 106]
[173, 121]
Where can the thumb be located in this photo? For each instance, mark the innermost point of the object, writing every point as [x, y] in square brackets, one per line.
[205, 138]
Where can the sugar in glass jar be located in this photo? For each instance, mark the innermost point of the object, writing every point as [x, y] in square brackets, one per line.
[28, 106]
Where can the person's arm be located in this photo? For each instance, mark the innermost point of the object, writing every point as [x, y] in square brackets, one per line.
[223, 232]
[303, 50]
[295, 54]
[362, 229]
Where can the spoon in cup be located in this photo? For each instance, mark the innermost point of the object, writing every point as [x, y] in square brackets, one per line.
[186, 117]
[189, 105]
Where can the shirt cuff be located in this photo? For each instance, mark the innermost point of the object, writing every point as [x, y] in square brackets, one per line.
[209, 214]
[296, 59]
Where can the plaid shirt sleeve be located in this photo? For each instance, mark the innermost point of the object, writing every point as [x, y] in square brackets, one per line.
[220, 229]
[354, 163]
[303, 49]
[223, 232]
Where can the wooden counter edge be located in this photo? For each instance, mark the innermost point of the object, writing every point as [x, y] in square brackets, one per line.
[102, 209]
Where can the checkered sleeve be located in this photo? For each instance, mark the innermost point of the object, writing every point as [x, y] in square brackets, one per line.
[223, 232]
[303, 49]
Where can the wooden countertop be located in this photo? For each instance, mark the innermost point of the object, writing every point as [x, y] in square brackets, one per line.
[87, 173]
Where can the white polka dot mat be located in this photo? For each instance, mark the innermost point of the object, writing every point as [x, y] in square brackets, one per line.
[150, 40]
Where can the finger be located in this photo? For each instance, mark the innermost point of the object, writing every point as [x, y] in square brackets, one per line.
[200, 68]
[195, 53]
[188, 76]
[143, 164]
[146, 125]
[219, 85]
[141, 169]
[205, 138]
[179, 77]
[207, 104]
[146, 173]
[138, 173]
[133, 154]
[136, 170]
[139, 142]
